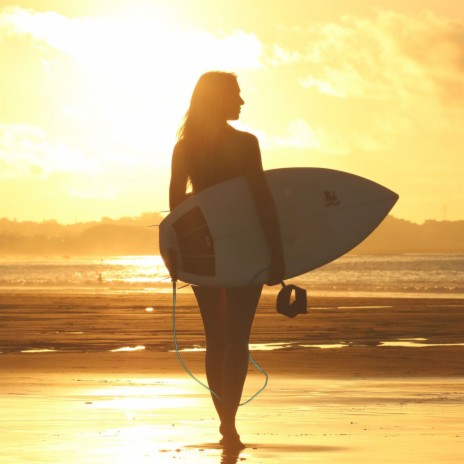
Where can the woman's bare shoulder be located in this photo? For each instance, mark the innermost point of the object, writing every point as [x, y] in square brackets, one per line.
[179, 146]
[243, 136]
[179, 151]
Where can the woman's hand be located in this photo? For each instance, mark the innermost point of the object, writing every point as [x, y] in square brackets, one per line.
[276, 269]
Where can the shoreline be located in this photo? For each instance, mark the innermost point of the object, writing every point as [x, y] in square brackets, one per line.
[85, 328]
[166, 289]
[345, 363]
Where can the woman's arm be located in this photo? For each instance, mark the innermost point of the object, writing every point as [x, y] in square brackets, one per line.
[179, 178]
[267, 213]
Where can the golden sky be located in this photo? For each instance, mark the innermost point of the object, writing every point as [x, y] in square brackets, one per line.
[93, 91]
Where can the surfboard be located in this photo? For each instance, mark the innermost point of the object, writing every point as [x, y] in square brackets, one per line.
[216, 238]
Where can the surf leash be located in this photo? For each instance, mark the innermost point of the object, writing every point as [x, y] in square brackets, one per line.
[179, 357]
[189, 372]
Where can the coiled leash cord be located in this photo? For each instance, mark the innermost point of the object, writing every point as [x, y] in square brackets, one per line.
[260, 369]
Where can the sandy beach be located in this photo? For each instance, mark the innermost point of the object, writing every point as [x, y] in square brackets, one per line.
[93, 378]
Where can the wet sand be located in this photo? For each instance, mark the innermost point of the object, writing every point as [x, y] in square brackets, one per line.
[364, 402]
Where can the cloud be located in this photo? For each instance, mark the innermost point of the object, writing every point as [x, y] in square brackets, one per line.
[27, 155]
[91, 189]
[110, 44]
[25, 152]
[389, 56]
[114, 88]
[299, 135]
[386, 82]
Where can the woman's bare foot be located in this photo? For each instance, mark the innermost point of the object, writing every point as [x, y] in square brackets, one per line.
[232, 443]
[230, 438]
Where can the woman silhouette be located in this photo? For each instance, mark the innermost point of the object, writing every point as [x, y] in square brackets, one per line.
[210, 151]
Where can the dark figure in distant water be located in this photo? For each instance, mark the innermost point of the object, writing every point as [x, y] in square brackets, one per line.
[210, 151]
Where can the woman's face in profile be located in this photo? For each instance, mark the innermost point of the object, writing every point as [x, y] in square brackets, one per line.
[232, 103]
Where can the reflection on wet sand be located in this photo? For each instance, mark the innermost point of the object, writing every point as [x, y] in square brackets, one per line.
[415, 343]
[116, 419]
[402, 343]
[399, 343]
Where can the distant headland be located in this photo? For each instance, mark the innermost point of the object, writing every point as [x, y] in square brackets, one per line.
[134, 236]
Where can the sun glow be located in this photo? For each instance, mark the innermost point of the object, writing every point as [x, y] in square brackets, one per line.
[137, 71]
[93, 94]
[109, 93]
[140, 396]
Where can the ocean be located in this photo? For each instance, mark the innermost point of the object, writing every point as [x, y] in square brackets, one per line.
[425, 275]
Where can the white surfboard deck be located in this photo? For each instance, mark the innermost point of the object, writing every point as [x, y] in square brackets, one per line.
[217, 239]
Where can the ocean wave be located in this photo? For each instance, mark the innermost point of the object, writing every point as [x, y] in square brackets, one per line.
[394, 274]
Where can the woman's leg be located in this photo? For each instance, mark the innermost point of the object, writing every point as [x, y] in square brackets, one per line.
[241, 304]
[227, 318]
[211, 302]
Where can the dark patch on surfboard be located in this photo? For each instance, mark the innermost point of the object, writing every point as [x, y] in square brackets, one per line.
[331, 198]
[195, 243]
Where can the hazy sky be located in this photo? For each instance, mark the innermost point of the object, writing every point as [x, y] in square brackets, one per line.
[93, 91]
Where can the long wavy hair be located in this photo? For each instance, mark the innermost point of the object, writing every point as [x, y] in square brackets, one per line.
[204, 120]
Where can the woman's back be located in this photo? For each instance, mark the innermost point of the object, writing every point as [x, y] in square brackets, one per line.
[235, 153]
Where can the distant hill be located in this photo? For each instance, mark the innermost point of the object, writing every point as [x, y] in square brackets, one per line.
[125, 236]
[400, 236]
[133, 236]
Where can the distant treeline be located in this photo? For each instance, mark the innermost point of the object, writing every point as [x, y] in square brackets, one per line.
[400, 236]
[108, 237]
[133, 236]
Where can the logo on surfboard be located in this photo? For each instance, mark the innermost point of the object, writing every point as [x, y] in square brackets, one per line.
[330, 198]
